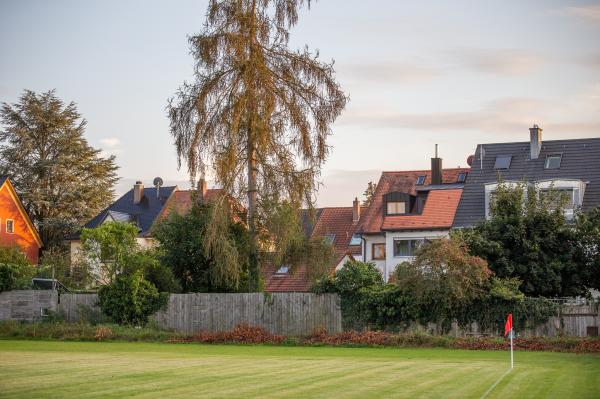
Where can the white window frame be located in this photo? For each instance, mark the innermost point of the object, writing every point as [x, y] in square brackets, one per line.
[578, 187]
[396, 208]
[13, 226]
[421, 240]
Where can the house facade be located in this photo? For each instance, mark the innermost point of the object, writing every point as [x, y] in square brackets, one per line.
[144, 207]
[408, 209]
[569, 166]
[16, 228]
[337, 225]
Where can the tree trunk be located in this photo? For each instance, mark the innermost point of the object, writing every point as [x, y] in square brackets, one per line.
[254, 269]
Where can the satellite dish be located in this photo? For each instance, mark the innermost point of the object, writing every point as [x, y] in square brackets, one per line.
[157, 183]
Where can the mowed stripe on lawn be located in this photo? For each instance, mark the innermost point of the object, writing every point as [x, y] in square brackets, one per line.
[141, 370]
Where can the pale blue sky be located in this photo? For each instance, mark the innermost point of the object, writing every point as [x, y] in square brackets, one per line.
[455, 73]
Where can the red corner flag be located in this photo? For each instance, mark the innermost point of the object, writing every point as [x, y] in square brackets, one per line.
[508, 325]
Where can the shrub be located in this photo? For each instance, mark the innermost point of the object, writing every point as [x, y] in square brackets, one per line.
[103, 333]
[130, 299]
[241, 334]
[15, 270]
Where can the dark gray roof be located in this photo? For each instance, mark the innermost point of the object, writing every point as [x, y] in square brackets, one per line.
[143, 214]
[2, 179]
[449, 186]
[580, 160]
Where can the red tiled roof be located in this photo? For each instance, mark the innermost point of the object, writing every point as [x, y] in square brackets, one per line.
[402, 181]
[336, 221]
[181, 202]
[438, 213]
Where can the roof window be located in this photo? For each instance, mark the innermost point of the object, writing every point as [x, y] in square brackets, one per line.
[283, 269]
[420, 180]
[553, 161]
[329, 238]
[502, 162]
[462, 177]
[356, 239]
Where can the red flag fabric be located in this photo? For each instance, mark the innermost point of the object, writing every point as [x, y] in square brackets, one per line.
[508, 325]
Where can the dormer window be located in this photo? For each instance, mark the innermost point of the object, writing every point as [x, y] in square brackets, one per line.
[553, 161]
[420, 180]
[398, 203]
[502, 162]
[396, 208]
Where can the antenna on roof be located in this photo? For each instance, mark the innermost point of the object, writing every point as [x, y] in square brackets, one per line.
[158, 182]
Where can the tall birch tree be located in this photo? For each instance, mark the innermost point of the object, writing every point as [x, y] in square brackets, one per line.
[257, 115]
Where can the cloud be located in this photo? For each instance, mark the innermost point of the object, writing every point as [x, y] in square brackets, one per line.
[505, 61]
[506, 115]
[589, 13]
[386, 72]
[110, 142]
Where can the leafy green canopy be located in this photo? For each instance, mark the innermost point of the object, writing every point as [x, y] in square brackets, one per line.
[528, 237]
[206, 249]
[62, 181]
[257, 114]
[15, 270]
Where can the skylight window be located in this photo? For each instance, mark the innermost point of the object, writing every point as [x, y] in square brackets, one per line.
[420, 180]
[502, 162]
[462, 177]
[553, 161]
[283, 269]
[329, 238]
[355, 239]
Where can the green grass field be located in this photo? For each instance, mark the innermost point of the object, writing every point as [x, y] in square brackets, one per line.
[38, 369]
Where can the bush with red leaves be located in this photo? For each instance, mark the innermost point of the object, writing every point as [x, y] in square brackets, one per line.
[241, 334]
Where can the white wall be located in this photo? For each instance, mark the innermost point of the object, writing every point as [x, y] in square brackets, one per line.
[388, 265]
[392, 261]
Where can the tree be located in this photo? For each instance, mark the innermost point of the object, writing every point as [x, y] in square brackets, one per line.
[15, 270]
[187, 248]
[528, 237]
[587, 250]
[258, 113]
[369, 193]
[62, 181]
[106, 248]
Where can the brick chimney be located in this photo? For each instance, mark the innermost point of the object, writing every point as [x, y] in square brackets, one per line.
[138, 192]
[202, 188]
[535, 141]
[355, 210]
[436, 168]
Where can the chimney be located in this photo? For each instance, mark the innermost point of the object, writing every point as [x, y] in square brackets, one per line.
[535, 141]
[138, 192]
[202, 187]
[436, 168]
[355, 210]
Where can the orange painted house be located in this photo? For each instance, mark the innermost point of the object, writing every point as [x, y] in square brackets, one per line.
[16, 229]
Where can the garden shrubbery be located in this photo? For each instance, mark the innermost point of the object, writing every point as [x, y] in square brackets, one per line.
[15, 270]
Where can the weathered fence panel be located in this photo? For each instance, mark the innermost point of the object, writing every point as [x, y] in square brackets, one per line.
[27, 305]
[280, 313]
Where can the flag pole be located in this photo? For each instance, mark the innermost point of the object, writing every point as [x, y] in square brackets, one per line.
[511, 349]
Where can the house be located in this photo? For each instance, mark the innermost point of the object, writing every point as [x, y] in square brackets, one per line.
[409, 208]
[571, 166]
[337, 225]
[16, 228]
[144, 207]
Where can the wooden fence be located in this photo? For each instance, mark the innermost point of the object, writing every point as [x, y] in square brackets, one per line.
[280, 313]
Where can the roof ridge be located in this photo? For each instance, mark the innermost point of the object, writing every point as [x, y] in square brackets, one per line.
[424, 170]
[543, 141]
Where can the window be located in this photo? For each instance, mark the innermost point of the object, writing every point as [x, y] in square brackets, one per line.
[356, 239]
[378, 252]
[10, 226]
[283, 269]
[553, 161]
[462, 177]
[406, 247]
[396, 208]
[420, 180]
[557, 196]
[329, 238]
[502, 162]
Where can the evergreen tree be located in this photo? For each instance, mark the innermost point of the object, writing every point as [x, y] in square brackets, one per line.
[258, 113]
[62, 181]
[369, 193]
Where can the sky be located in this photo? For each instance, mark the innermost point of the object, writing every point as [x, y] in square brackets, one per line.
[454, 73]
